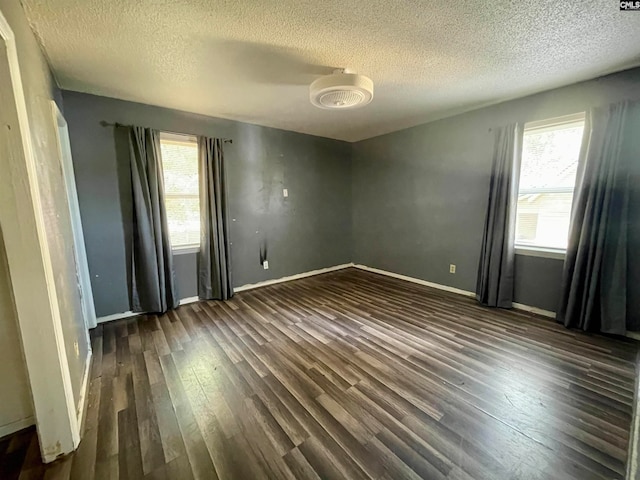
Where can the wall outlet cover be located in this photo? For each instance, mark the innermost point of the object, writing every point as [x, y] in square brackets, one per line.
[452, 268]
[265, 265]
[285, 192]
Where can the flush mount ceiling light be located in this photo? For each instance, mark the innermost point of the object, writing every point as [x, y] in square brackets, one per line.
[341, 90]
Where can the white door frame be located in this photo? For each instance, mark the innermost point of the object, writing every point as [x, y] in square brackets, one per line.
[32, 277]
[84, 278]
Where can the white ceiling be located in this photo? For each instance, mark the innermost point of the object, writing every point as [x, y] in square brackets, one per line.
[253, 60]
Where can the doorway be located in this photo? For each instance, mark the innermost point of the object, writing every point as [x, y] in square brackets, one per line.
[29, 263]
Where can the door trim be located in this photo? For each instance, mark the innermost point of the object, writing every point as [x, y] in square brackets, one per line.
[84, 278]
[32, 280]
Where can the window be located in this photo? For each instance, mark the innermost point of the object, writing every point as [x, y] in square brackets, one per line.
[550, 154]
[182, 200]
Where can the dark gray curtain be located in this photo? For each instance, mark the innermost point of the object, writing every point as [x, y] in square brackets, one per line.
[494, 286]
[152, 276]
[595, 284]
[214, 269]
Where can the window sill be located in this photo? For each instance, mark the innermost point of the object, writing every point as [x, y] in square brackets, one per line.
[541, 252]
[186, 250]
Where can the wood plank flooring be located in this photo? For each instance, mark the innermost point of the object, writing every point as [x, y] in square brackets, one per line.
[347, 375]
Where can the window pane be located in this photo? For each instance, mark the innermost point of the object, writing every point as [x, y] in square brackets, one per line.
[547, 179]
[543, 219]
[180, 168]
[180, 165]
[183, 216]
[550, 158]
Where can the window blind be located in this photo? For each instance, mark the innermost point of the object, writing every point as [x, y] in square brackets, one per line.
[182, 201]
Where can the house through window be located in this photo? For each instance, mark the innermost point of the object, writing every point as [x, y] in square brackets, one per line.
[550, 155]
[182, 200]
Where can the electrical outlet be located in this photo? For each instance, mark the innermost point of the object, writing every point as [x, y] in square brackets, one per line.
[285, 192]
[265, 265]
[452, 268]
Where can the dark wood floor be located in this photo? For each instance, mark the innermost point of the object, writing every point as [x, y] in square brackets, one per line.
[347, 375]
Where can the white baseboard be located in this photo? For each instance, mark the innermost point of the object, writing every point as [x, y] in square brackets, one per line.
[82, 400]
[184, 301]
[447, 288]
[117, 316]
[13, 427]
[536, 310]
[120, 316]
[419, 281]
[188, 300]
[297, 276]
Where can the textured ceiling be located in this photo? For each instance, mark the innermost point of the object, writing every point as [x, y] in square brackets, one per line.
[253, 60]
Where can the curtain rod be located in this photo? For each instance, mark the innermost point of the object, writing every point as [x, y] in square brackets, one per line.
[104, 123]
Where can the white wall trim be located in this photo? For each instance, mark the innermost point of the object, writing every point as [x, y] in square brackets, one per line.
[419, 281]
[536, 310]
[298, 276]
[82, 399]
[250, 286]
[447, 288]
[33, 280]
[188, 300]
[129, 314]
[118, 316]
[13, 427]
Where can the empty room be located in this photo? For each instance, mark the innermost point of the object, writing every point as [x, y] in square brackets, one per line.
[319, 240]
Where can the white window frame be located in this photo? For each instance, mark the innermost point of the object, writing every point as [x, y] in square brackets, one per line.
[185, 249]
[185, 139]
[540, 127]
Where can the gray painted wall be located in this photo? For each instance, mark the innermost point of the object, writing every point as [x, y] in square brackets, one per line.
[310, 229]
[420, 194]
[410, 202]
